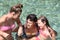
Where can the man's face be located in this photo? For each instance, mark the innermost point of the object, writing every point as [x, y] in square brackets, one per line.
[29, 23]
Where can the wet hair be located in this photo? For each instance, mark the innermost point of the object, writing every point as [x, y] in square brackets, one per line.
[32, 17]
[16, 8]
[44, 19]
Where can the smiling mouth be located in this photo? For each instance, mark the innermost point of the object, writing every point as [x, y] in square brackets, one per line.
[28, 26]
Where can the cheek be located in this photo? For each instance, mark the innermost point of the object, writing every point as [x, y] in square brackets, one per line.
[28, 25]
[16, 16]
[40, 24]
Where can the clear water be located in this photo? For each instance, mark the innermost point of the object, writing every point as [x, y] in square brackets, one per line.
[48, 8]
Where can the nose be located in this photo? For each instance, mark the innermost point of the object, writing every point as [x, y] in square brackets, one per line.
[28, 24]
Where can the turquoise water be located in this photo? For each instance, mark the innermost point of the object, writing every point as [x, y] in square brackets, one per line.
[48, 8]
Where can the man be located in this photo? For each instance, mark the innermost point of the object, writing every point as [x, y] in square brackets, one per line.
[30, 29]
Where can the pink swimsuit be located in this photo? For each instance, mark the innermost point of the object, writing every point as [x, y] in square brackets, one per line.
[37, 38]
[5, 28]
[42, 34]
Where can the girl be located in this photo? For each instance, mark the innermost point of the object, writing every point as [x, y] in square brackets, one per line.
[46, 32]
[7, 22]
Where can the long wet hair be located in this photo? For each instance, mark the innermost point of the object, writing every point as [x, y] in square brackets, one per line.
[44, 19]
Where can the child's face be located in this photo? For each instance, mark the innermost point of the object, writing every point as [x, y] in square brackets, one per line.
[40, 23]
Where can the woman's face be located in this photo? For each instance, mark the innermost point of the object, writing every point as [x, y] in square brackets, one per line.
[15, 16]
[40, 23]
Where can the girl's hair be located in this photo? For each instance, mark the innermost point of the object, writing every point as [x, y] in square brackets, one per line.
[16, 8]
[44, 19]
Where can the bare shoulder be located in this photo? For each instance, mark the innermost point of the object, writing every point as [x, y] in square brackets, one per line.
[3, 18]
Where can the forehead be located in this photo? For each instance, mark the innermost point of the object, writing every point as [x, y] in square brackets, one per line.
[39, 20]
[30, 21]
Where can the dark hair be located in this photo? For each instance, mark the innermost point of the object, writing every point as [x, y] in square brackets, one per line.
[16, 8]
[32, 17]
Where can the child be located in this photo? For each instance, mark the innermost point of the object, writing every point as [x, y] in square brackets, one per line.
[46, 32]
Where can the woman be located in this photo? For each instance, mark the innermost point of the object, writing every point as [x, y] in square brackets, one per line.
[7, 22]
[46, 32]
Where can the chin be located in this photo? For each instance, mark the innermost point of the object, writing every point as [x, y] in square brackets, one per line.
[28, 27]
[41, 27]
[14, 18]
